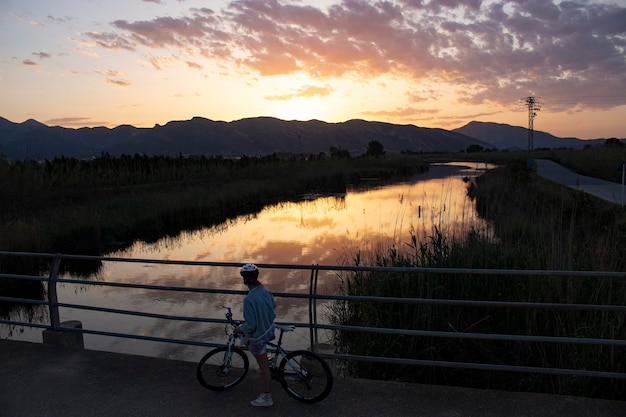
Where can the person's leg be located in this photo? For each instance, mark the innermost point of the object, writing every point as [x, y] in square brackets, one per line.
[260, 354]
[266, 375]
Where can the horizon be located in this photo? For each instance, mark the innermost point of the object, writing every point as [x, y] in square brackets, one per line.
[302, 121]
[424, 63]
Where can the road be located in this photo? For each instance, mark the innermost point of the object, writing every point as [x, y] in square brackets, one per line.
[606, 190]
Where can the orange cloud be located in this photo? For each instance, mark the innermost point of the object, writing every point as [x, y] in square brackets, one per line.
[306, 91]
[159, 62]
[110, 73]
[195, 65]
[118, 82]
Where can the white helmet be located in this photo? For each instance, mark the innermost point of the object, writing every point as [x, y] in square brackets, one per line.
[249, 272]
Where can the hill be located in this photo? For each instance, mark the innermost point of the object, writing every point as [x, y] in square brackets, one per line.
[255, 136]
[200, 136]
[503, 136]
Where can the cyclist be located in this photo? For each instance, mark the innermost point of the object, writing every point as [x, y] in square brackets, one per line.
[258, 327]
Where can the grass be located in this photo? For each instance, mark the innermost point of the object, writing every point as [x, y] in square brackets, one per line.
[97, 206]
[599, 161]
[91, 207]
[537, 225]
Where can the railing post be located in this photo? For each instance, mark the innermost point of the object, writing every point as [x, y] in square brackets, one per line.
[53, 300]
[311, 330]
[313, 307]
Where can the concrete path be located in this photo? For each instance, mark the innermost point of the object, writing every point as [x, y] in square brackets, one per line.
[606, 190]
[38, 380]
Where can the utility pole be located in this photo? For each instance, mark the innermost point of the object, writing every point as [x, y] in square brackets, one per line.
[533, 107]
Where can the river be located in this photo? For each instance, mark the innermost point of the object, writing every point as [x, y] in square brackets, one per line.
[324, 230]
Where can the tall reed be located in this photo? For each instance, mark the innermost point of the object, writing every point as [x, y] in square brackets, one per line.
[74, 206]
[537, 226]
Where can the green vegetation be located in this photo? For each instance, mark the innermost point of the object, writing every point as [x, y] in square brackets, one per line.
[91, 207]
[536, 225]
[599, 161]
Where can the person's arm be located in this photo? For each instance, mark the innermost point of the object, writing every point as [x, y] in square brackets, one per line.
[249, 317]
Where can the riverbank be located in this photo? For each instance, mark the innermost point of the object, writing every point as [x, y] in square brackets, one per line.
[92, 207]
[510, 251]
[536, 224]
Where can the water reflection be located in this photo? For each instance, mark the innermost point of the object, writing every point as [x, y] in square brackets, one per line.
[327, 230]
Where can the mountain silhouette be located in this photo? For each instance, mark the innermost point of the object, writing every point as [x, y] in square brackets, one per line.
[503, 136]
[255, 136]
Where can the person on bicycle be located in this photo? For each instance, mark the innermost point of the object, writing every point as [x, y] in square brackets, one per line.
[258, 327]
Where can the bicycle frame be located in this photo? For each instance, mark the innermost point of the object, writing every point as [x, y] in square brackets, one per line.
[277, 350]
[273, 348]
[303, 374]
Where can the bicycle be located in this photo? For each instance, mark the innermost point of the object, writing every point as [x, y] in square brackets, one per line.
[304, 375]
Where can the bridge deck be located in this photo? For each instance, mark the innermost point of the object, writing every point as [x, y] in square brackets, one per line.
[41, 380]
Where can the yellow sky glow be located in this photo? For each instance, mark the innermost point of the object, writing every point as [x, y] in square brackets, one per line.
[430, 64]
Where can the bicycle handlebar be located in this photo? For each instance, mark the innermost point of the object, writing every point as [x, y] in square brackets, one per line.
[229, 317]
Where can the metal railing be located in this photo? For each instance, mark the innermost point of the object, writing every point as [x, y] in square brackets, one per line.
[314, 299]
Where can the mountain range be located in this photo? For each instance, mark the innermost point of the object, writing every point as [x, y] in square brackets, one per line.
[260, 136]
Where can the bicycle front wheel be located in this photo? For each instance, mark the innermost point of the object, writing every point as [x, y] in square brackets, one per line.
[221, 369]
[305, 376]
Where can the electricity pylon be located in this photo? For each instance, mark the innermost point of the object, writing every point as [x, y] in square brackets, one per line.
[534, 106]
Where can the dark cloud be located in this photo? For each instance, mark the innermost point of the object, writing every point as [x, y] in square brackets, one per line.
[491, 51]
[61, 20]
[30, 62]
[42, 55]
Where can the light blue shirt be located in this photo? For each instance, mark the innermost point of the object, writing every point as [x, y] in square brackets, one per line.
[258, 313]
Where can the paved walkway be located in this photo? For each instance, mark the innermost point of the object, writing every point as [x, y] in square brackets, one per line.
[606, 190]
[40, 380]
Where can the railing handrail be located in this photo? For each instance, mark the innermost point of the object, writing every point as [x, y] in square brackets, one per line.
[471, 271]
[314, 298]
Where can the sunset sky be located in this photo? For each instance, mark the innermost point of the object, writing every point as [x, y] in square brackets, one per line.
[430, 63]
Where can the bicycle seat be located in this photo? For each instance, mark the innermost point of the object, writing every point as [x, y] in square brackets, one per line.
[286, 327]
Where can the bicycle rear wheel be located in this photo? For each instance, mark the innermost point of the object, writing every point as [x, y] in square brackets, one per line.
[218, 370]
[305, 376]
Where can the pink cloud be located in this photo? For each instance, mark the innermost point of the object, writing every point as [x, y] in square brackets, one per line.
[74, 121]
[491, 51]
[111, 41]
